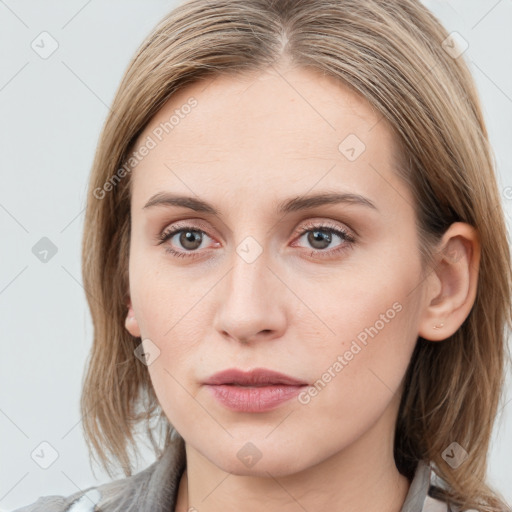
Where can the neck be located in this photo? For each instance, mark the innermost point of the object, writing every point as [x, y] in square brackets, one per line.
[363, 476]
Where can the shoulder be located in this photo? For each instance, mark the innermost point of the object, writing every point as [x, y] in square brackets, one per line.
[426, 492]
[81, 501]
[151, 489]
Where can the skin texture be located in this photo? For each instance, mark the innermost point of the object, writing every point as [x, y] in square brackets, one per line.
[253, 141]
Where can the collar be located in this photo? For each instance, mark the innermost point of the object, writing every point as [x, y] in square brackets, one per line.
[418, 498]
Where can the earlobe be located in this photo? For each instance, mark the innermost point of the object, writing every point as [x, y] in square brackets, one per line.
[452, 283]
[131, 323]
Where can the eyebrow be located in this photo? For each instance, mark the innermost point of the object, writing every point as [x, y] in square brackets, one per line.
[290, 205]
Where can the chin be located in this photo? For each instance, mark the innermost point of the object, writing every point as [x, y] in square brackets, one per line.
[256, 459]
[275, 466]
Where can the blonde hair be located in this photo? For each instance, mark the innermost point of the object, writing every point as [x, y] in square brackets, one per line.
[391, 53]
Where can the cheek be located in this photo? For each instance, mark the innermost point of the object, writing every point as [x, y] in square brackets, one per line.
[162, 300]
[356, 378]
[372, 300]
[374, 317]
[170, 317]
[373, 297]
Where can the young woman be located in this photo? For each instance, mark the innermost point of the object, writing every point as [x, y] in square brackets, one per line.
[296, 263]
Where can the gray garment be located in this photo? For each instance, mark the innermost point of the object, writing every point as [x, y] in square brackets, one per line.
[155, 490]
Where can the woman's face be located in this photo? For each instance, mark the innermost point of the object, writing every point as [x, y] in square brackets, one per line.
[266, 275]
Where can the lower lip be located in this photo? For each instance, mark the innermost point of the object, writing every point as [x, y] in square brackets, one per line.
[253, 399]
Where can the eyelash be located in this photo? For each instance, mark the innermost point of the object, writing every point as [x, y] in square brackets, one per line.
[348, 239]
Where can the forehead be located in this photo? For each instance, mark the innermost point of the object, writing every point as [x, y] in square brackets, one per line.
[278, 128]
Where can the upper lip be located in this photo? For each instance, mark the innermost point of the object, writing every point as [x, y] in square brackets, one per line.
[258, 376]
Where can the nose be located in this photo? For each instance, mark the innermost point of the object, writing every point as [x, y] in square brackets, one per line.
[250, 304]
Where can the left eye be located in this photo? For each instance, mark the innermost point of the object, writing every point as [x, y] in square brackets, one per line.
[321, 237]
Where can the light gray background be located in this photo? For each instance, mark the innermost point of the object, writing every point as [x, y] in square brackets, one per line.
[52, 111]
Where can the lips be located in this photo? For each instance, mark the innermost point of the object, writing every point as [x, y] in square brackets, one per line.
[256, 391]
[254, 378]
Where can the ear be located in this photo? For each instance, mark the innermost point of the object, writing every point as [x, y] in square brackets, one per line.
[130, 322]
[452, 283]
